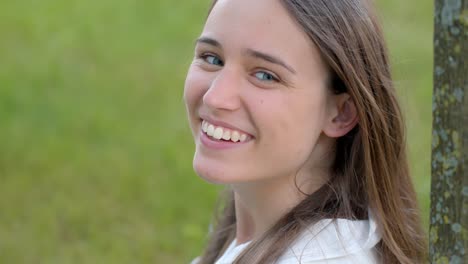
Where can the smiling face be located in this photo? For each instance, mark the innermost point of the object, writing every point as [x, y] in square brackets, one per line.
[256, 95]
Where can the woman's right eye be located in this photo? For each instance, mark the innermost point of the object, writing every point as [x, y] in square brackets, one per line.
[212, 59]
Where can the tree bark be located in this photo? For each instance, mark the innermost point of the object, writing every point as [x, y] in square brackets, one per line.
[448, 235]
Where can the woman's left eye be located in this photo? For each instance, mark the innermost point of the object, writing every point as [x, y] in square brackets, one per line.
[265, 76]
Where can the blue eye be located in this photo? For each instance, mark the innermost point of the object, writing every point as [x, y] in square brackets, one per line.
[211, 59]
[264, 76]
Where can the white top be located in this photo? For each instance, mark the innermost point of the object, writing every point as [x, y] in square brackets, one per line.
[328, 241]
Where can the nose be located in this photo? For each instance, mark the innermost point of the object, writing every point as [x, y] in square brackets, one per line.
[223, 93]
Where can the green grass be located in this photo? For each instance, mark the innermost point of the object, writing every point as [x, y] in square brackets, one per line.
[95, 152]
[409, 30]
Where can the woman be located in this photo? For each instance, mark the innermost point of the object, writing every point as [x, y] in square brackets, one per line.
[292, 107]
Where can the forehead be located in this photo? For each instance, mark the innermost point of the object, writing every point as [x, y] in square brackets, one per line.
[261, 25]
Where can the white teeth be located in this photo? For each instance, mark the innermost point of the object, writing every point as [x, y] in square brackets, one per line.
[210, 130]
[243, 137]
[235, 136]
[222, 133]
[218, 133]
[227, 135]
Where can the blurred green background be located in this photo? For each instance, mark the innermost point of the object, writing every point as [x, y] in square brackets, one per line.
[95, 150]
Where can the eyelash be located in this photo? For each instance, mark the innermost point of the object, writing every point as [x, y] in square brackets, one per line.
[271, 77]
[205, 57]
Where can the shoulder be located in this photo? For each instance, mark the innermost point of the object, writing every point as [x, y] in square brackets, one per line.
[330, 241]
[335, 241]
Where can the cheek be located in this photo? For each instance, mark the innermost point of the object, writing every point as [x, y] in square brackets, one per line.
[293, 119]
[290, 128]
[196, 85]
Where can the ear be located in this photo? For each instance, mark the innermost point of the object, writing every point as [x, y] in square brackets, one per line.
[343, 116]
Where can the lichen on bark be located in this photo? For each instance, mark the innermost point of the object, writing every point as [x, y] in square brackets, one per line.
[448, 233]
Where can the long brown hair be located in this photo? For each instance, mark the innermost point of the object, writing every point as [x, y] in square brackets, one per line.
[371, 167]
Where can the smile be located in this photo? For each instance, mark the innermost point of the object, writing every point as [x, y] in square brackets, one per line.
[222, 133]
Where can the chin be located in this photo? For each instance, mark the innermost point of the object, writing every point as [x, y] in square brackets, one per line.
[215, 173]
[211, 175]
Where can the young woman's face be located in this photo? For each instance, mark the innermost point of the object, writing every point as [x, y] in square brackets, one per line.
[256, 95]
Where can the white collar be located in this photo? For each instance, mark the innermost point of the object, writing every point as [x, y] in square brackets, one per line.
[326, 239]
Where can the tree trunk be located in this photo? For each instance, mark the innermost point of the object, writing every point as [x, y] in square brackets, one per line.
[448, 235]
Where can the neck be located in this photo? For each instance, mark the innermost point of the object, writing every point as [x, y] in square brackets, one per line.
[260, 205]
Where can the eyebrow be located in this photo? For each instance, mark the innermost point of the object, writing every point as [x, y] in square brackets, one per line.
[269, 58]
[209, 41]
[250, 52]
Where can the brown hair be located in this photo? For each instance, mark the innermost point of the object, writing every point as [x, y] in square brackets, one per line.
[370, 168]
